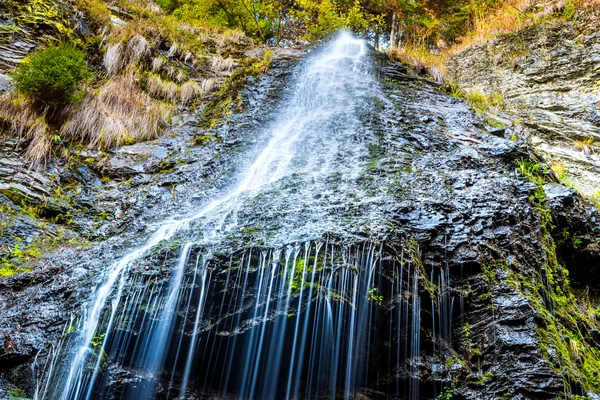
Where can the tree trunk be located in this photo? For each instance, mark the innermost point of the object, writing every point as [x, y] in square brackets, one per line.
[393, 32]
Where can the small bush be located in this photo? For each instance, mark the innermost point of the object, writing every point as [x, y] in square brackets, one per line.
[51, 76]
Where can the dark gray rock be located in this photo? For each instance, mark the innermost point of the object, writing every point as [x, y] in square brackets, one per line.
[432, 176]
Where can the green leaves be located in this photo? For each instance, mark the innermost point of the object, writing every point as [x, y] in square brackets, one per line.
[51, 76]
[276, 19]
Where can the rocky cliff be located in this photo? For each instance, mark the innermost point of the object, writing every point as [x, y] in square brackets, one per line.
[549, 78]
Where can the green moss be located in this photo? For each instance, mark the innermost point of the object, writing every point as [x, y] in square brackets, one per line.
[453, 360]
[480, 101]
[412, 254]
[22, 256]
[480, 379]
[591, 367]
[465, 337]
[446, 394]
[566, 238]
[7, 269]
[43, 14]
[562, 336]
[489, 273]
[299, 271]
[203, 140]
[15, 393]
[95, 11]
[374, 297]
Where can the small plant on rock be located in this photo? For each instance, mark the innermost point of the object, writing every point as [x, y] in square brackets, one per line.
[51, 76]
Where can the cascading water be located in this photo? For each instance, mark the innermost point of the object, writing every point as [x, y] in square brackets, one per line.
[296, 321]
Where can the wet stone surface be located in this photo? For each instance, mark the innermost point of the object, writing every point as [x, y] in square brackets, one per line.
[419, 182]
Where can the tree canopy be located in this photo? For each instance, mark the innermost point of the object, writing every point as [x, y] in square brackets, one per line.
[414, 22]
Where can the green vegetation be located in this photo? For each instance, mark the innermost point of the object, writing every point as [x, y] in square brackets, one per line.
[15, 393]
[481, 102]
[446, 394]
[276, 20]
[51, 76]
[96, 12]
[22, 256]
[466, 337]
[569, 10]
[567, 320]
[374, 297]
[429, 32]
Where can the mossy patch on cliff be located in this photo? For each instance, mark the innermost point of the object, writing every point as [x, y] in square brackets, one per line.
[565, 319]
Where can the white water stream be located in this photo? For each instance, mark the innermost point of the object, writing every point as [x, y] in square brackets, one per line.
[319, 116]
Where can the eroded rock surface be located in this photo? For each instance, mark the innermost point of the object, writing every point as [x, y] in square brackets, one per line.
[491, 248]
[549, 76]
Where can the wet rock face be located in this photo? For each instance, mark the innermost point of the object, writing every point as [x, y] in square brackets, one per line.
[548, 76]
[433, 190]
[44, 21]
[147, 183]
[6, 84]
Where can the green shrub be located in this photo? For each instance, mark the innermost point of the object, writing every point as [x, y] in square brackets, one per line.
[569, 10]
[51, 76]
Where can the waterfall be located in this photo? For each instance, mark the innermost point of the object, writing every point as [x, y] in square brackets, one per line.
[298, 320]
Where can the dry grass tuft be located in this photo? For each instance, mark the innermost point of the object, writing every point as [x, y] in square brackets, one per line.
[114, 59]
[553, 8]
[180, 77]
[161, 89]
[209, 85]
[20, 118]
[155, 8]
[173, 50]
[17, 114]
[118, 55]
[121, 113]
[220, 64]
[422, 61]
[40, 146]
[203, 37]
[171, 72]
[231, 37]
[157, 62]
[511, 16]
[515, 15]
[137, 48]
[189, 91]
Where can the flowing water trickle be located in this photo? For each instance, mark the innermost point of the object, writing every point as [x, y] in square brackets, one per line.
[294, 321]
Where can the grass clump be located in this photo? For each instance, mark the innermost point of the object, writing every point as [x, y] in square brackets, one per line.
[121, 113]
[19, 117]
[51, 76]
[482, 101]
